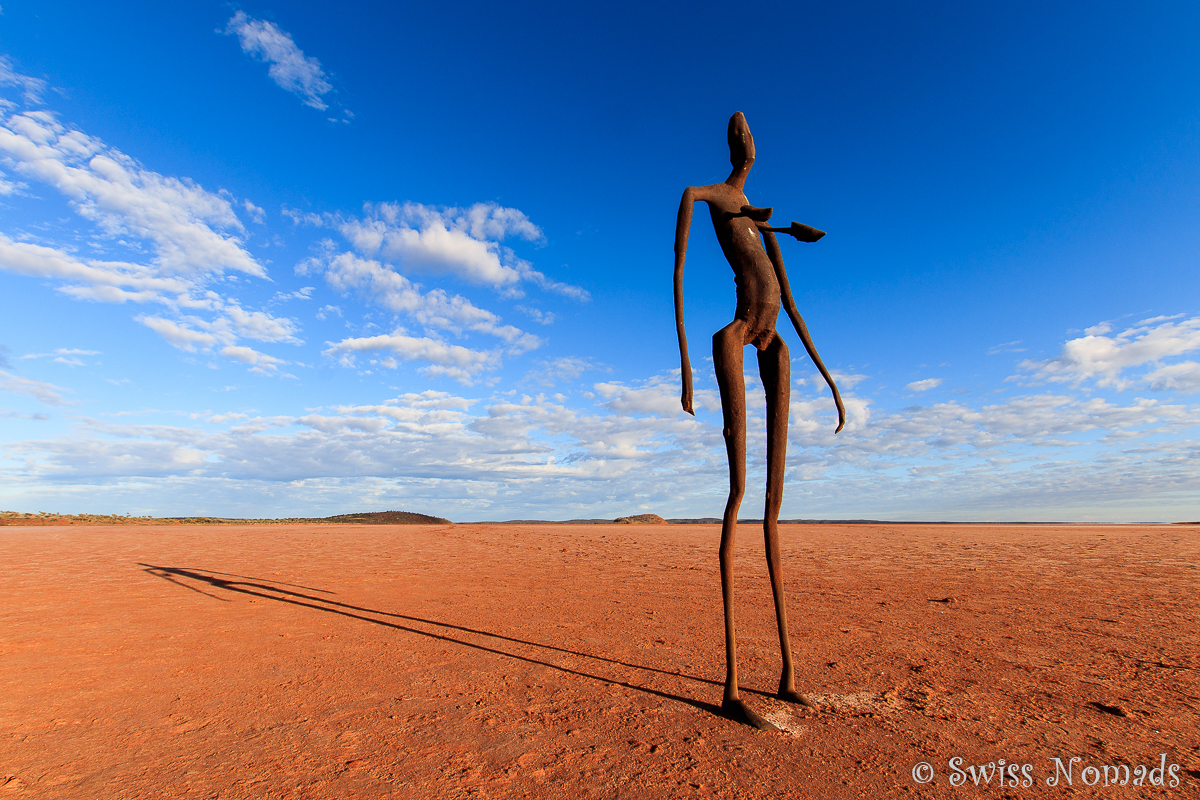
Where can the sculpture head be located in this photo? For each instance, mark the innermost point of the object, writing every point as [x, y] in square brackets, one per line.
[741, 149]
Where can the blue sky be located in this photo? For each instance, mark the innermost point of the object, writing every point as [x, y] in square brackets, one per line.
[262, 260]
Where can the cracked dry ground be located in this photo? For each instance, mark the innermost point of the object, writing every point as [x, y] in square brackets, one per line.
[585, 661]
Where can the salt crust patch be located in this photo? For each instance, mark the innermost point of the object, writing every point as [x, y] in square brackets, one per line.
[785, 722]
[858, 701]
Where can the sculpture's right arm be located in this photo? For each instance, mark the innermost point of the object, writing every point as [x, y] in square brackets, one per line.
[683, 224]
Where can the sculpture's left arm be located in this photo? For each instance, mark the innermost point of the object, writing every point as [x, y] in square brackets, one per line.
[789, 305]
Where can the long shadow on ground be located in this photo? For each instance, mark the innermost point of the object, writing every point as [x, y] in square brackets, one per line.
[257, 587]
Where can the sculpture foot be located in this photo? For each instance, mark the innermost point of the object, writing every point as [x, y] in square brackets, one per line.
[737, 711]
[792, 696]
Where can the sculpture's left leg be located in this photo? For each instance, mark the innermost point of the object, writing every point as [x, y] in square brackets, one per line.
[774, 366]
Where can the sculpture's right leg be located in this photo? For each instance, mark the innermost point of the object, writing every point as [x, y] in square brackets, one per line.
[728, 346]
[774, 365]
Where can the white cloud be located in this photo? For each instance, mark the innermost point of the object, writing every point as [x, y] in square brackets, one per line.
[19, 415]
[1183, 376]
[189, 332]
[555, 370]
[46, 393]
[194, 236]
[844, 380]
[62, 353]
[429, 413]
[9, 188]
[327, 310]
[260, 362]
[1096, 356]
[435, 309]
[424, 239]
[537, 315]
[953, 430]
[463, 243]
[303, 293]
[183, 222]
[257, 325]
[924, 385]
[232, 416]
[104, 281]
[292, 70]
[565, 289]
[450, 360]
[256, 214]
[660, 396]
[33, 89]
[177, 334]
[1007, 347]
[299, 218]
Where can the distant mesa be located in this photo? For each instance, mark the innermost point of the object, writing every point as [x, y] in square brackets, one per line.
[640, 519]
[387, 518]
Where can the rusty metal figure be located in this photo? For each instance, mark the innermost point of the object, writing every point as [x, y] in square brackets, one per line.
[762, 287]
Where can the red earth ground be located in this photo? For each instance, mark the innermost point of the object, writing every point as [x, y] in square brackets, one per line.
[321, 661]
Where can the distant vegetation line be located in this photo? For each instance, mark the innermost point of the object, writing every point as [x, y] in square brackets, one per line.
[368, 518]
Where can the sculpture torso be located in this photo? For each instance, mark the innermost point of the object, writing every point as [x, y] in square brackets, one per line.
[758, 298]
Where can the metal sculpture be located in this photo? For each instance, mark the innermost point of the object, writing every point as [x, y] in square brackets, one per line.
[762, 286]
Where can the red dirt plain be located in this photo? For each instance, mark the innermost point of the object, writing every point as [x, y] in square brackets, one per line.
[321, 661]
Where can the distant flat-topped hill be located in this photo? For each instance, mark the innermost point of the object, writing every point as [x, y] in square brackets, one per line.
[387, 518]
